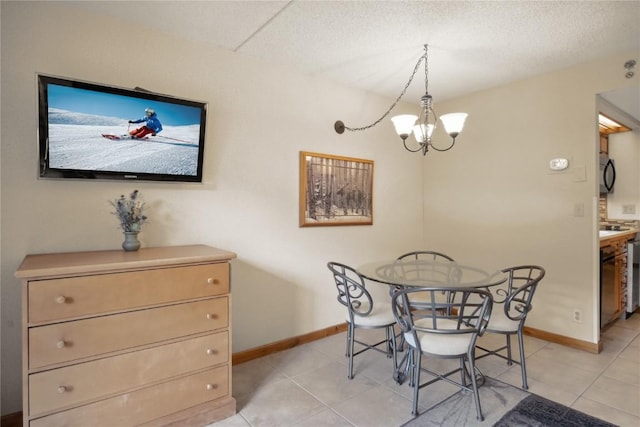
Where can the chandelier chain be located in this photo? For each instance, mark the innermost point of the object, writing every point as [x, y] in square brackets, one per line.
[426, 69]
[406, 86]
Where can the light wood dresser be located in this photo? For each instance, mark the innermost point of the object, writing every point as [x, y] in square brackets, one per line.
[114, 338]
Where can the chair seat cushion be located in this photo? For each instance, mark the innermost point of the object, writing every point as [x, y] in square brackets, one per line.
[499, 322]
[444, 344]
[381, 315]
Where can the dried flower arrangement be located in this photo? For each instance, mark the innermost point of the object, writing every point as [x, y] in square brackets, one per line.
[129, 211]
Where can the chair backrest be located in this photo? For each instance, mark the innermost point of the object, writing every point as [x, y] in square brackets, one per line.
[441, 268]
[352, 292]
[522, 282]
[433, 255]
[466, 311]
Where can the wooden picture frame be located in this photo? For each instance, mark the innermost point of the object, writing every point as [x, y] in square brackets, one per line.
[335, 190]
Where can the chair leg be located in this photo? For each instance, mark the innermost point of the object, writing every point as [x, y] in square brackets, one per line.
[392, 344]
[350, 346]
[523, 367]
[346, 347]
[417, 359]
[509, 359]
[476, 395]
[401, 344]
[409, 368]
[463, 372]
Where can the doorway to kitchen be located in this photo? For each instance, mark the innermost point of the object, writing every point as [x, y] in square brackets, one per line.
[619, 207]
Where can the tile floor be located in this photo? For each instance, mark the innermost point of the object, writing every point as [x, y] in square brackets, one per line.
[308, 386]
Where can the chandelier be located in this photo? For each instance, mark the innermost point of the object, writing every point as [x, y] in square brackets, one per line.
[423, 125]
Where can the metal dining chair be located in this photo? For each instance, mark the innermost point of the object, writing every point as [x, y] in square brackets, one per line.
[449, 330]
[363, 312]
[434, 255]
[442, 271]
[511, 305]
[440, 264]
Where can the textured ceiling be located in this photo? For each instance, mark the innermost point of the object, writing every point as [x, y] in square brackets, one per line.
[374, 45]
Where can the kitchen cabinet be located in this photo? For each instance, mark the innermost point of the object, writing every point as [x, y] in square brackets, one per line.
[604, 143]
[613, 274]
[127, 338]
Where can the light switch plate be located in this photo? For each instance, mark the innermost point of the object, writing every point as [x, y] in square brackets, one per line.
[629, 209]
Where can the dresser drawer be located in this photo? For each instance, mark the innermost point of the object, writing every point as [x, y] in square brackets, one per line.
[158, 401]
[67, 341]
[72, 385]
[56, 299]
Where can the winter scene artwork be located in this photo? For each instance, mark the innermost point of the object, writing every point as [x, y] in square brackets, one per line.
[335, 190]
[97, 132]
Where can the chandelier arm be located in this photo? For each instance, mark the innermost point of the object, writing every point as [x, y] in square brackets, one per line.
[406, 86]
[453, 141]
[404, 141]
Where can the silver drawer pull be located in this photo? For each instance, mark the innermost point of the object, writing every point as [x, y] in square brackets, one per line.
[212, 316]
[61, 299]
[212, 386]
[62, 389]
[61, 344]
[212, 351]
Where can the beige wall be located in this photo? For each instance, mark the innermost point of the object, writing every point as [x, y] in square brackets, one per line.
[505, 203]
[260, 117]
[491, 199]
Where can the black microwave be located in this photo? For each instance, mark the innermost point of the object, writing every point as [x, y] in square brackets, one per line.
[607, 174]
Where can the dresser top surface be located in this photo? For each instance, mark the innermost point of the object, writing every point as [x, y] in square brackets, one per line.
[67, 263]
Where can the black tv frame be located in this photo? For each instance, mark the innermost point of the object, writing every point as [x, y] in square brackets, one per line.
[122, 95]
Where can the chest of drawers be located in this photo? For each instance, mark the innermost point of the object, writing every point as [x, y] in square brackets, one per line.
[127, 338]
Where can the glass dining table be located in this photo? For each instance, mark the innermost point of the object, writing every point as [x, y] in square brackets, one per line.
[429, 273]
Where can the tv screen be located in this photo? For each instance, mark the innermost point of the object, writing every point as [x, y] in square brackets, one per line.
[93, 131]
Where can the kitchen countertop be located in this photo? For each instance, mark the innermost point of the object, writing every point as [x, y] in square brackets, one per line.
[607, 235]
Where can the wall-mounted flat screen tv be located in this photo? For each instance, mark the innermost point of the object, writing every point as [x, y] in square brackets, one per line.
[92, 131]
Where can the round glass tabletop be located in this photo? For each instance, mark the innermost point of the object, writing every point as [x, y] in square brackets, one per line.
[430, 273]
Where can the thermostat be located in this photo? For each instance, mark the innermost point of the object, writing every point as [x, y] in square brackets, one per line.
[558, 164]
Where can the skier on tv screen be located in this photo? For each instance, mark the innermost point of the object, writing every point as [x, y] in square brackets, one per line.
[151, 127]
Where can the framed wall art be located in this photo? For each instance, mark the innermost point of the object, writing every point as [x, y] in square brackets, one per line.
[335, 190]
